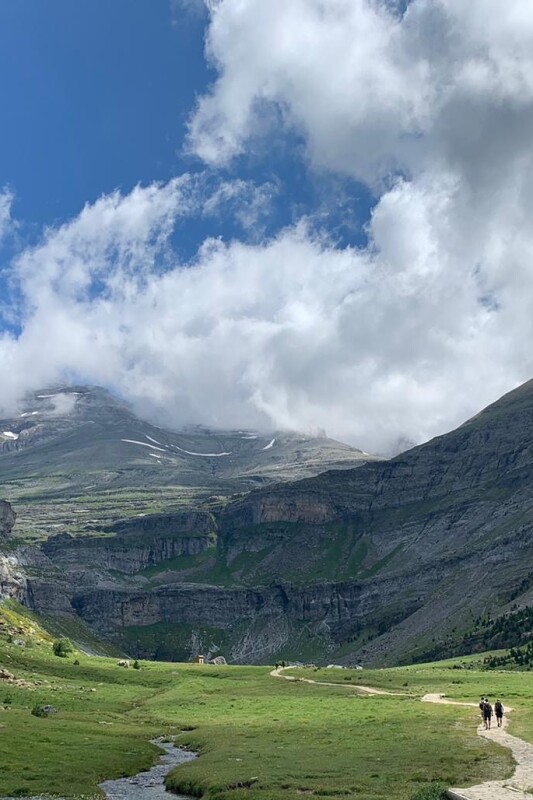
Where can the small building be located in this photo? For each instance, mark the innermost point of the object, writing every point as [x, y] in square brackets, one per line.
[200, 659]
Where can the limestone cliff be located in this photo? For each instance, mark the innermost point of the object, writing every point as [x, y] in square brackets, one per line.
[7, 518]
[376, 563]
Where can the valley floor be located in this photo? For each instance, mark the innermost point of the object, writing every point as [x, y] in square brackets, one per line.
[257, 738]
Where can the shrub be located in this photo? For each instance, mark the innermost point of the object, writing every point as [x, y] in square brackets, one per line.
[38, 711]
[7, 700]
[136, 664]
[432, 791]
[76, 663]
[62, 648]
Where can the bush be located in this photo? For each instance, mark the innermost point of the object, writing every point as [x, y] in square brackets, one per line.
[76, 663]
[432, 791]
[136, 664]
[7, 700]
[38, 711]
[62, 648]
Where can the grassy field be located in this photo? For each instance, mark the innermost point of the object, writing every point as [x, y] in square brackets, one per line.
[258, 737]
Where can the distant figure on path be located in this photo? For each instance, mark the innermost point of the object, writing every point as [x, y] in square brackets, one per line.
[498, 710]
[481, 707]
[487, 714]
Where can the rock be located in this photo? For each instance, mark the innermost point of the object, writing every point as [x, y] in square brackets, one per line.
[7, 518]
[43, 711]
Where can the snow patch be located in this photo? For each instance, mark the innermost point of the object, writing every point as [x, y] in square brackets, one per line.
[143, 444]
[152, 440]
[10, 434]
[269, 445]
[30, 413]
[204, 455]
[56, 394]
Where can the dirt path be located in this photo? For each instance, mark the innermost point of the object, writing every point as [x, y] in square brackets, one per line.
[514, 788]
[518, 787]
[279, 673]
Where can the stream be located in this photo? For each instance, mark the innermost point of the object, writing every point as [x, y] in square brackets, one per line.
[150, 785]
[144, 785]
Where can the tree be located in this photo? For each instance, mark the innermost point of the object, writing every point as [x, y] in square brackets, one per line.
[62, 648]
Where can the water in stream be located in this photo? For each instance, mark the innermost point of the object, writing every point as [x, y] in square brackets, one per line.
[150, 785]
[145, 785]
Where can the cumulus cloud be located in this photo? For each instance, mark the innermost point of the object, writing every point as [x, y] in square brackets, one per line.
[432, 107]
[6, 201]
[288, 333]
[372, 90]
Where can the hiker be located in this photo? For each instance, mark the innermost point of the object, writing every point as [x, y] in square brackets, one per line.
[487, 714]
[481, 705]
[498, 710]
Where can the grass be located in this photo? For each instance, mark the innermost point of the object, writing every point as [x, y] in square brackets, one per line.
[258, 738]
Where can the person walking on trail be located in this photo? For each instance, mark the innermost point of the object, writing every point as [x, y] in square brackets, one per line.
[487, 714]
[481, 707]
[498, 710]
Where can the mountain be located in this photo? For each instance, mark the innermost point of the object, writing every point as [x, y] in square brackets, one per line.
[421, 555]
[81, 452]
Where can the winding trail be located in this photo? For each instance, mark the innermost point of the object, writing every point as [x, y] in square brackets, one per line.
[278, 673]
[518, 787]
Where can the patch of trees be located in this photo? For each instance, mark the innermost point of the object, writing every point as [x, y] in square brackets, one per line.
[515, 657]
[511, 630]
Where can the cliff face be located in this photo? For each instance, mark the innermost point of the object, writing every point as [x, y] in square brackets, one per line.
[380, 561]
[12, 580]
[134, 545]
[7, 518]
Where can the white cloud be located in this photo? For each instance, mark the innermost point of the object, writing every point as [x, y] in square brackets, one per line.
[288, 333]
[6, 201]
[405, 338]
[369, 89]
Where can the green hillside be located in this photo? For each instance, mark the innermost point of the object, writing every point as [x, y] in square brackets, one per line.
[257, 737]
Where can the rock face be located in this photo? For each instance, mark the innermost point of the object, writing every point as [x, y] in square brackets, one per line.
[135, 544]
[375, 564]
[7, 518]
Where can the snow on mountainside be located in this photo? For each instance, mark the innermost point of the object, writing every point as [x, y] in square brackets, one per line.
[68, 442]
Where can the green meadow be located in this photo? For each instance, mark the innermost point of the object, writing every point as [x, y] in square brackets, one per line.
[258, 737]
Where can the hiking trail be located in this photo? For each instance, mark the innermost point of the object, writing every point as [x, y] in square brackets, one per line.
[518, 787]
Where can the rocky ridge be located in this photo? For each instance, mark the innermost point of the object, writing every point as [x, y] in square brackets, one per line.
[380, 563]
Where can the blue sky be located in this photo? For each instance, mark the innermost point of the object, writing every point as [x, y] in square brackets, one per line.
[96, 96]
[328, 191]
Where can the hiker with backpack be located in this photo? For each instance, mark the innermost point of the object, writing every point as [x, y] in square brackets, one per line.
[487, 714]
[481, 705]
[498, 710]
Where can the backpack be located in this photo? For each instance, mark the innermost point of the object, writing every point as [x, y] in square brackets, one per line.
[498, 709]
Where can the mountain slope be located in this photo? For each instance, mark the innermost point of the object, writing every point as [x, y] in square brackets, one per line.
[381, 563]
[81, 442]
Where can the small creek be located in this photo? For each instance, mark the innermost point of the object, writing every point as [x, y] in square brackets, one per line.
[150, 785]
[145, 785]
